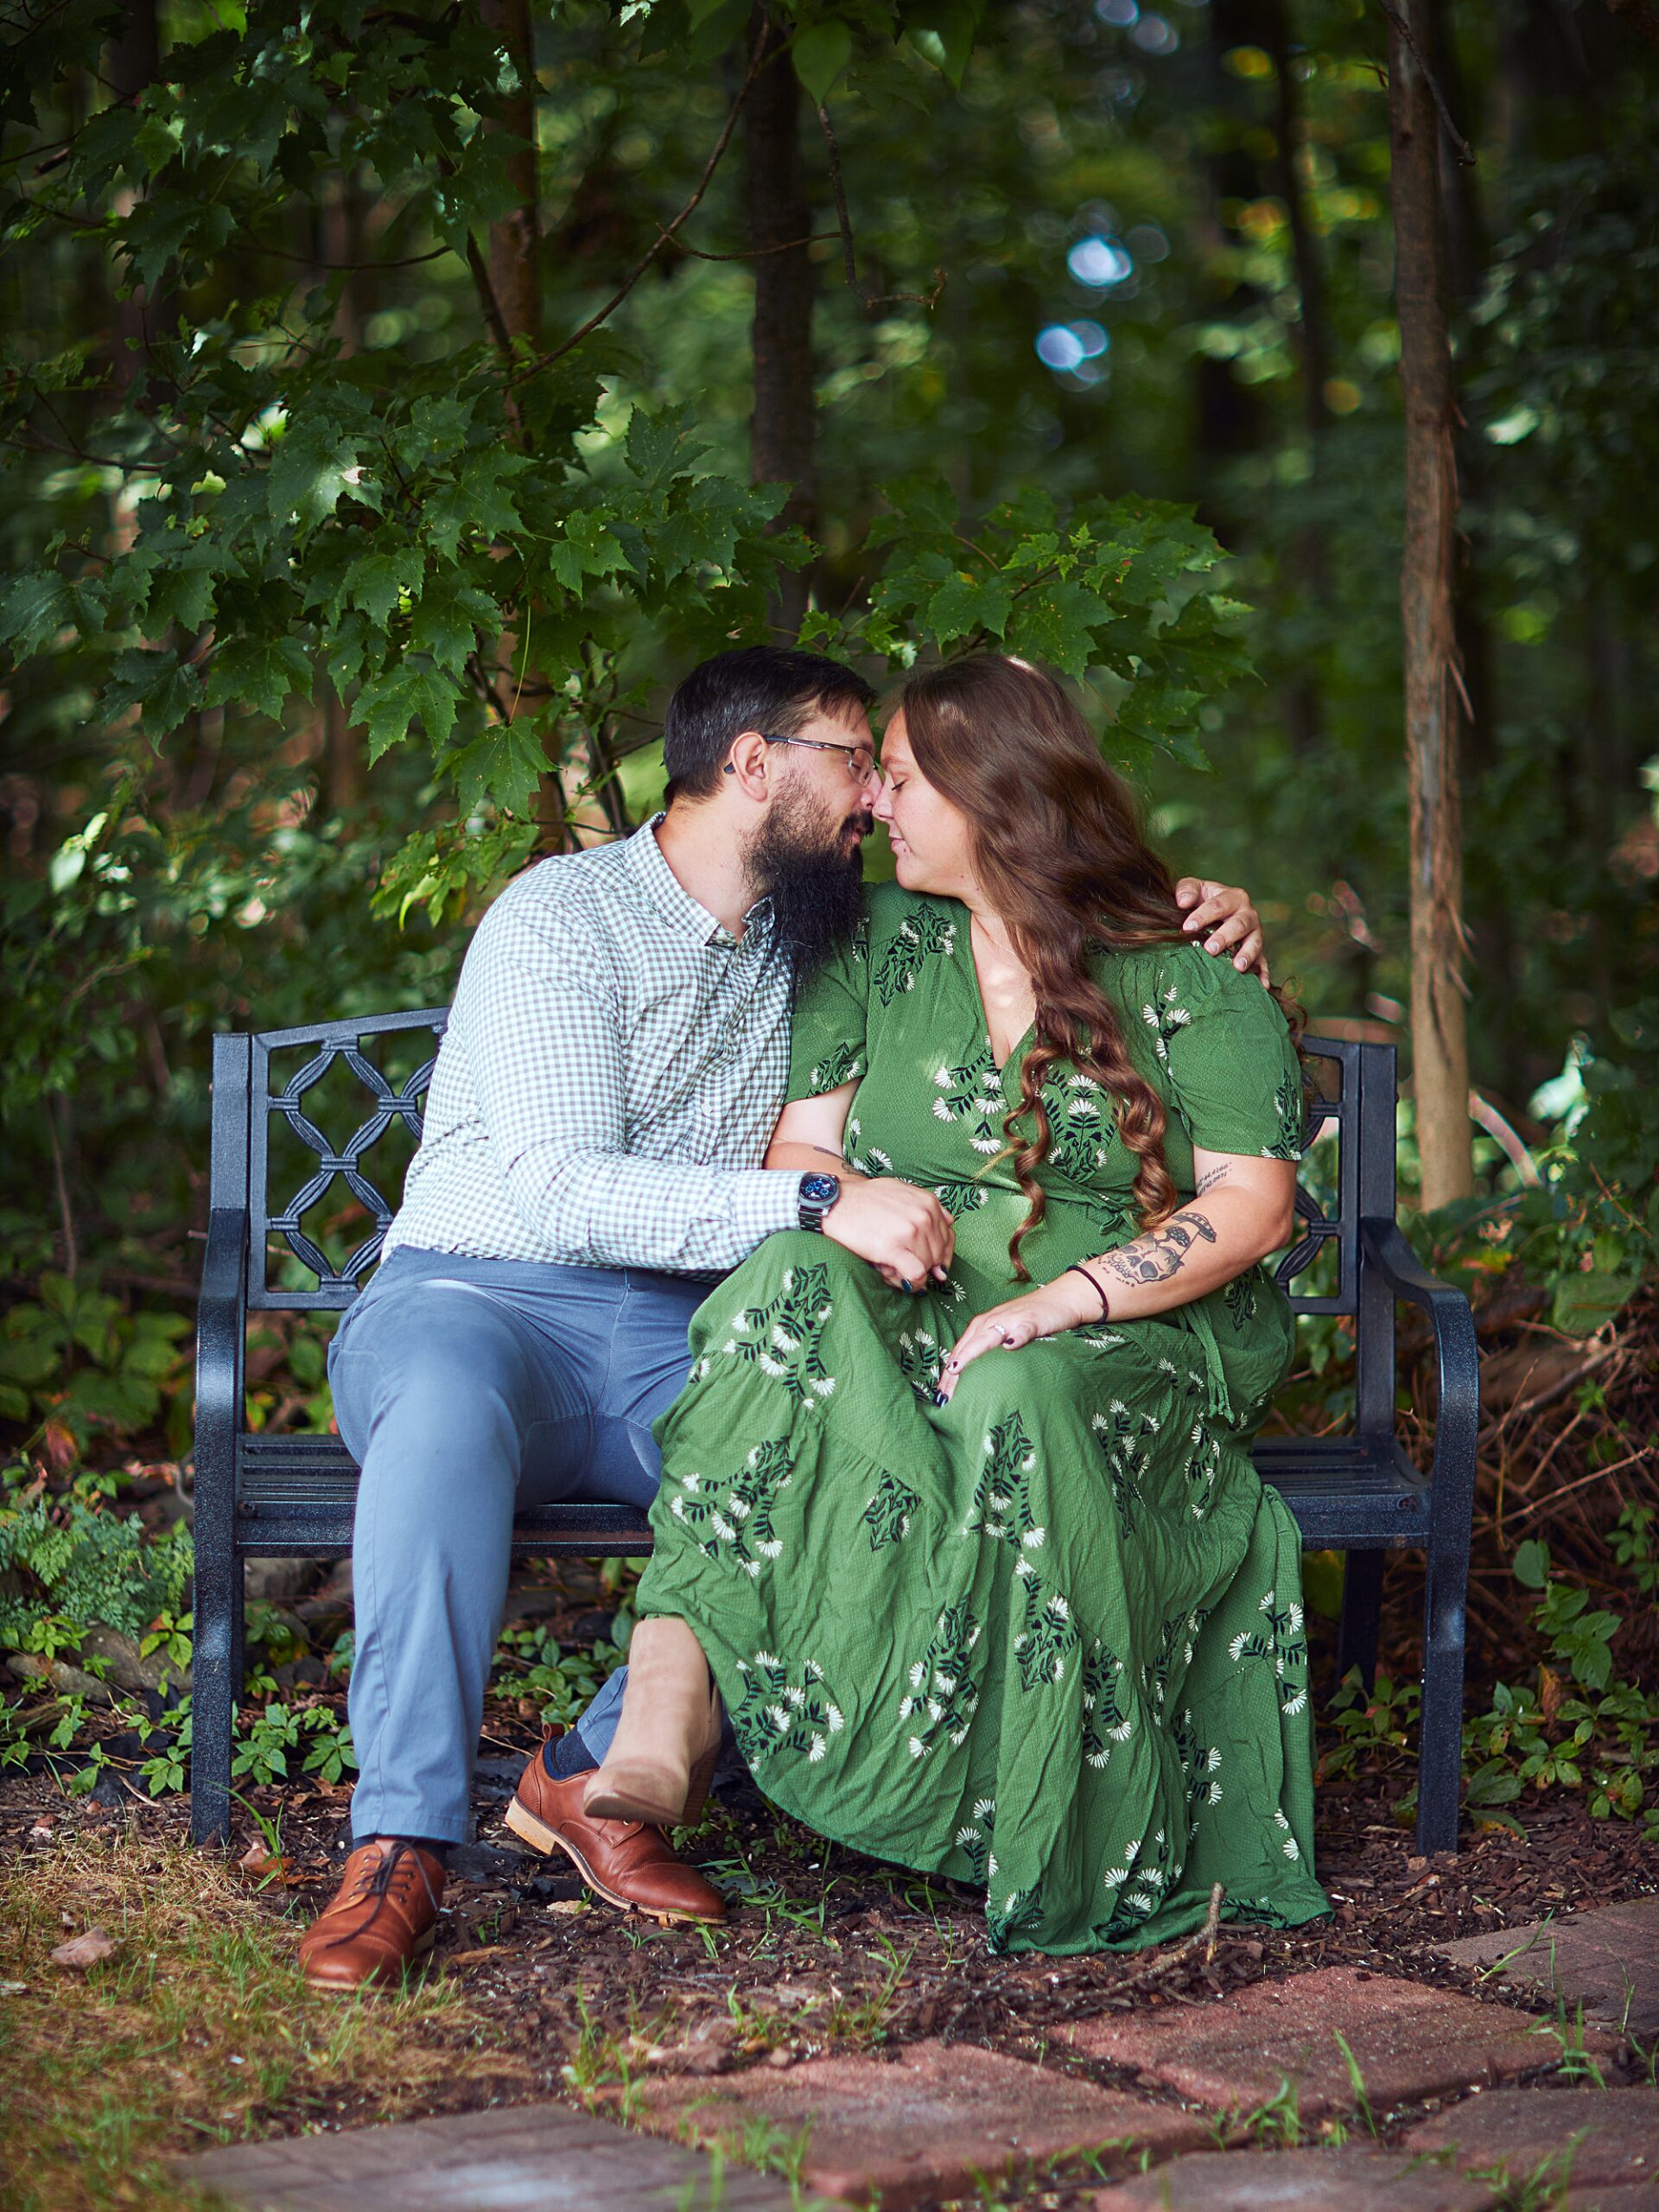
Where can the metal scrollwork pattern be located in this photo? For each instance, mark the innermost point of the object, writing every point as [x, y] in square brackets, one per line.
[390, 1105]
[1320, 1228]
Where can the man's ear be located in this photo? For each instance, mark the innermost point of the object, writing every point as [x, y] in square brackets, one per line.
[749, 767]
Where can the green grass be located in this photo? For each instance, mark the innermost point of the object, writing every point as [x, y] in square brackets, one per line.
[198, 2029]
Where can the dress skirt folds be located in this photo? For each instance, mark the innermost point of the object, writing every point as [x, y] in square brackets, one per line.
[1046, 1639]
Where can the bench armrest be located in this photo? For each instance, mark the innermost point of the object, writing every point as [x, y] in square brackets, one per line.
[1385, 1247]
[220, 1321]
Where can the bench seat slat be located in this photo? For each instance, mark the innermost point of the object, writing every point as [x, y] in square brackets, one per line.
[295, 1494]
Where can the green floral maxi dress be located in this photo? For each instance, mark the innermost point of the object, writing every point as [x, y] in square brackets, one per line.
[1047, 1639]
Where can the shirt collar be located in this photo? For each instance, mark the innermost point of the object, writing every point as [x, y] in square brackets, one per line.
[669, 896]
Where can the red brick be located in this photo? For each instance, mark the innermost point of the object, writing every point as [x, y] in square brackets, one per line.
[1586, 2137]
[918, 2127]
[545, 2158]
[1408, 2041]
[1607, 1961]
[1352, 2179]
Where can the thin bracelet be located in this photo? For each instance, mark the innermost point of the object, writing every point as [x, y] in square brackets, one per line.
[1076, 1269]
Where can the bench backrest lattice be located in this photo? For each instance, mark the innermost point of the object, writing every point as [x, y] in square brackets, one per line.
[307, 1118]
[334, 1045]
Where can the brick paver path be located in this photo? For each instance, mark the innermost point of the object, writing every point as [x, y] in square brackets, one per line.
[1352, 2179]
[1606, 1960]
[1591, 2138]
[921, 2126]
[1406, 2041]
[517, 2158]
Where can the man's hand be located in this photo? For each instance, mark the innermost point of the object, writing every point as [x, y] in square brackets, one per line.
[1232, 923]
[903, 1233]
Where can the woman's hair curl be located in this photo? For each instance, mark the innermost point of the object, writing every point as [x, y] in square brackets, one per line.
[1057, 846]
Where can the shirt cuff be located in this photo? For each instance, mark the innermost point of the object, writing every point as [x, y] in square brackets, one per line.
[763, 1200]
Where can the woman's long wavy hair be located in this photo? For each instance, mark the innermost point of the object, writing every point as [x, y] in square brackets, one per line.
[1057, 844]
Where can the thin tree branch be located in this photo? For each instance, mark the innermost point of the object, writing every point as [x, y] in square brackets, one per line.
[754, 253]
[404, 261]
[65, 1211]
[848, 254]
[1460, 145]
[488, 300]
[667, 236]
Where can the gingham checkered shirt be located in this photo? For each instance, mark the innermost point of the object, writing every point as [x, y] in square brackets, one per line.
[606, 1086]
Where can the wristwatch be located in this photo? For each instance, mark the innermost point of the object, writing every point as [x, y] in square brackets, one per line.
[816, 1195]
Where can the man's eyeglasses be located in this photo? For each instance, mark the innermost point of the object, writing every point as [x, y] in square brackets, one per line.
[860, 761]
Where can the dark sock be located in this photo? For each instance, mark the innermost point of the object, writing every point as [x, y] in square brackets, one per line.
[567, 1755]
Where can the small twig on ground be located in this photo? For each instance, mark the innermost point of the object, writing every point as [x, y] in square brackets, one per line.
[1556, 1389]
[1212, 1923]
[1595, 1475]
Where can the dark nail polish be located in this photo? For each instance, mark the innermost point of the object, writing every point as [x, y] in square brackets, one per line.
[939, 1398]
[905, 1283]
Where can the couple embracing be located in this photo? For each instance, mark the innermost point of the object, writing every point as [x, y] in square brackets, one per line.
[956, 1191]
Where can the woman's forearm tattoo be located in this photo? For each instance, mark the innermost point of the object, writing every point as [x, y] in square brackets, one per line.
[1161, 1252]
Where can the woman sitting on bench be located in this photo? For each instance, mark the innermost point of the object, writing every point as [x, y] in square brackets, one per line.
[974, 1552]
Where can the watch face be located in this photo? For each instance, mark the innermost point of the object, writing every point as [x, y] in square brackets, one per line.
[819, 1190]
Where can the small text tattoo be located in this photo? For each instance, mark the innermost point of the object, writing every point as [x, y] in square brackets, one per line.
[1208, 1179]
[1161, 1252]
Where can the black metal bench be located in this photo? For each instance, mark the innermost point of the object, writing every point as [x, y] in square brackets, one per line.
[291, 1496]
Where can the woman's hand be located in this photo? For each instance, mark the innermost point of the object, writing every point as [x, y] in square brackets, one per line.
[1052, 1307]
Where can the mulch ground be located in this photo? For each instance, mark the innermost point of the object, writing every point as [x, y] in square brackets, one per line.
[827, 1950]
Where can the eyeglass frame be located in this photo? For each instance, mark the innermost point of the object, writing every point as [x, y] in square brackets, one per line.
[817, 744]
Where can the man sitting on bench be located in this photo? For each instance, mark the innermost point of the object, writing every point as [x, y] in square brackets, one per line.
[612, 1071]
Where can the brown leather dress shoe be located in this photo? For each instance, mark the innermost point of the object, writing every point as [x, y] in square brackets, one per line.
[625, 1862]
[380, 1921]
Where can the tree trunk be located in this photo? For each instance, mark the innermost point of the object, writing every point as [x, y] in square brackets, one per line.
[1490, 921]
[783, 432]
[1439, 1048]
[131, 61]
[514, 256]
[514, 266]
[1313, 324]
[339, 244]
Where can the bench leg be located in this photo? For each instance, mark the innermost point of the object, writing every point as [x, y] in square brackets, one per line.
[1362, 1613]
[1439, 1771]
[216, 1682]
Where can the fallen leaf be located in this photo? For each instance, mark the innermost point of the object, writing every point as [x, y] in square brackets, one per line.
[257, 1859]
[88, 1950]
[13, 1988]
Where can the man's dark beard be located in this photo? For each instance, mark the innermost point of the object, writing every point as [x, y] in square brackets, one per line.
[815, 882]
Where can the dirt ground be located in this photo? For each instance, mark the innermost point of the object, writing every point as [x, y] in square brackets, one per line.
[827, 1950]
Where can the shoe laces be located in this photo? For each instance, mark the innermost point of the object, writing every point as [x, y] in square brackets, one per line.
[376, 1881]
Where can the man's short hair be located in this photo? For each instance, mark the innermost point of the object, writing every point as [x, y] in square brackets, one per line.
[776, 689]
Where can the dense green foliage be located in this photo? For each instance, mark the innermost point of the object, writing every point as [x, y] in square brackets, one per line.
[329, 603]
